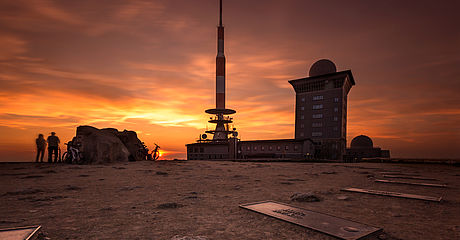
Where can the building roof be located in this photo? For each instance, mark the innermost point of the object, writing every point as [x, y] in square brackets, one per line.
[318, 77]
[281, 140]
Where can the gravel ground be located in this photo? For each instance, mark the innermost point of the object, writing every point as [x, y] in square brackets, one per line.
[200, 199]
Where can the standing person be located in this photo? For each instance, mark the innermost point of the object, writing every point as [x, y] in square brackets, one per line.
[53, 145]
[41, 145]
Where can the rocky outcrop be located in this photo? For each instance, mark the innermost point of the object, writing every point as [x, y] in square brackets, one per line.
[107, 145]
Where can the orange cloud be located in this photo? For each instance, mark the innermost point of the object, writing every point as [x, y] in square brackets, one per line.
[149, 66]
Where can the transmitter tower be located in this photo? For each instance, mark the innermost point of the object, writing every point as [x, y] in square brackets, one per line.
[221, 114]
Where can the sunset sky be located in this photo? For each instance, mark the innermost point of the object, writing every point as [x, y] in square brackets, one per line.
[149, 66]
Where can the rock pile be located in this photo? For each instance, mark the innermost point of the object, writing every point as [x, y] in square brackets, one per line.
[108, 145]
[305, 197]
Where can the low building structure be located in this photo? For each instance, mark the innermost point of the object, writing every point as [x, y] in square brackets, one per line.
[363, 147]
[276, 148]
[236, 149]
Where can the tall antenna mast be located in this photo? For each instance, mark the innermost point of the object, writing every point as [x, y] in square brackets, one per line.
[220, 16]
[222, 131]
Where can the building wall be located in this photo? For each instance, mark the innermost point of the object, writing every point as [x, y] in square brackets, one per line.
[319, 114]
[283, 148]
[203, 151]
[289, 148]
[358, 153]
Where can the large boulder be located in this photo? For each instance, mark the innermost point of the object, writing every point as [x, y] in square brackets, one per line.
[135, 147]
[107, 145]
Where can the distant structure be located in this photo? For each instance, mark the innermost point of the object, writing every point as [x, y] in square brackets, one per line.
[320, 122]
[321, 108]
[363, 147]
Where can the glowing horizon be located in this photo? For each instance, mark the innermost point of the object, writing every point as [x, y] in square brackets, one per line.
[149, 66]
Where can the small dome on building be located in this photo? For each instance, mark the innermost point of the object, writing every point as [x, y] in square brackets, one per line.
[321, 67]
[361, 141]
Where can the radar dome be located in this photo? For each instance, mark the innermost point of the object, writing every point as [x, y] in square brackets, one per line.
[361, 141]
[321, 67]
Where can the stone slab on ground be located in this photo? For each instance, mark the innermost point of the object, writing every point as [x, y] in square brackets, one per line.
[328, 224]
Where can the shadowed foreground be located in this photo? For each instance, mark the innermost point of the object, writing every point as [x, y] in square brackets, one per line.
[160, 200]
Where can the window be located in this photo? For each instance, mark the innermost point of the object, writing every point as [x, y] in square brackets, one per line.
[317, 124]
[263, 148]
[336, 109]
[303, 99]
[316, 134]
[319, 115]
[278, 148]
[302, 126]
[296, 147]
[336, 129]
[302, 117]
[248, 148]
[270, 148]
[318, 106]
[319, 97]
[336, 99]
[255, 147]
[301, 134]
[286, 147]
[302, 108]
[336, 119]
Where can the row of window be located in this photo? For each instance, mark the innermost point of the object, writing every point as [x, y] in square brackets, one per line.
[314, 134]
[319, 116]
[270, 148]
[318, 134]
[317, 106]
[312, 86]
[320, 85]
[320, 106]
[321, 97]
[207, 156]
[318, 97]
[316, 125]
[198, 150]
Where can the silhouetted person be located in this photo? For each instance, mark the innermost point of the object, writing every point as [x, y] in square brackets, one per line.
[41, 145]
[53, 145]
